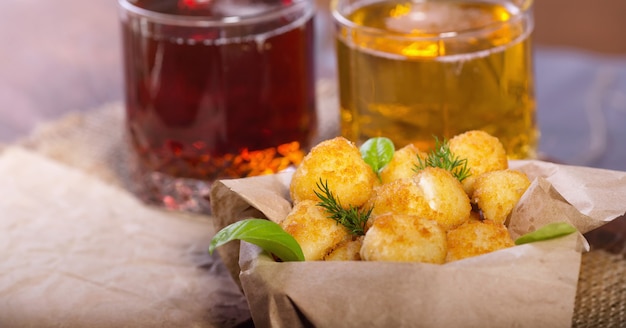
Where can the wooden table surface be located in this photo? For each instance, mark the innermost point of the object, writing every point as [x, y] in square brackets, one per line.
[63, 56]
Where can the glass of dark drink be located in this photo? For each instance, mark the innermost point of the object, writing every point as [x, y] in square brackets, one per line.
[215, 89]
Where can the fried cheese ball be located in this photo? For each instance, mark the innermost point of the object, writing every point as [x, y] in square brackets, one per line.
[402, 164]
[496, 193]
[476, 237]
[484, 153]
[338, 163]
[433, 193]
[346, 251]
[317, 234]
[404, 238]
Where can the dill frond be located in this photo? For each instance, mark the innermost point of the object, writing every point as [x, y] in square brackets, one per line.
[442, 157]
[352, 218]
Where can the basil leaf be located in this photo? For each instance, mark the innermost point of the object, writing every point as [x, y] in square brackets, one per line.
[377, 152]
[549, 231]
[263, 233]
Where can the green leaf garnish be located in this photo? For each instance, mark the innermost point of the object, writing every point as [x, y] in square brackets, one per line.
[264, 233]
[351, 218]
[442, 157]
[549, 231]
[377, 152]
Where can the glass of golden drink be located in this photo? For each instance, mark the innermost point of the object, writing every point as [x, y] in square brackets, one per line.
[411, 70]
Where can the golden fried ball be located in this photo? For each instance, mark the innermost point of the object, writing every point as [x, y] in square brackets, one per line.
[315, 232]
[402, 164]
[476, 237]
[402, 196]
[484, 153]
[496, 193]
[346, 251]
[404, 238]
[433, 193]
[337, 162]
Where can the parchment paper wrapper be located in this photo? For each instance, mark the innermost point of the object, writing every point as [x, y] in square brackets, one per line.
[532, 285]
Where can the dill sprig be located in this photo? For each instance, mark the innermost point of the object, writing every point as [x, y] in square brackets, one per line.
[352, 218]
[442, 157]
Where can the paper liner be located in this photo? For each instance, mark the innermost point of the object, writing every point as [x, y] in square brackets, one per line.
[529, 285]
[598, 194]
[231, 201]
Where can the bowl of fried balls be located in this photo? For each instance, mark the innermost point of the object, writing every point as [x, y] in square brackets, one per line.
[414, 212]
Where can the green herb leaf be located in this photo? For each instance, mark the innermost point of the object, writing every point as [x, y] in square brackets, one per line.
[377, 152]
[442, 157]
[351, 218]
[549, 231]
[263, 233]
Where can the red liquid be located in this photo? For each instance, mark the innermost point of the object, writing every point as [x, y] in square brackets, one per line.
[205, 108]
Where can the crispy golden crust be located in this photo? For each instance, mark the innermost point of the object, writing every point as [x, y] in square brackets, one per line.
[433, 194]
[317, 234]
[339, 163]
[402, 165]
[423, 216]
[476, 237]
[346, 251]
[403, 196]
[496, 193]
[484, 153]
[404, 238]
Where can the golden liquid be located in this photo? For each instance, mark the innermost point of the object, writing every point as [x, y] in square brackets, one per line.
[411, 90]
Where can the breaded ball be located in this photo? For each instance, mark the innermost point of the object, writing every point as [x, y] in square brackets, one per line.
[402, 196]
[346, 251]
[484, 153]
[402, 164]
[433, 193]
[317, 234]
[338, 163]
[475, 238]
[496, 193]
[404, 238]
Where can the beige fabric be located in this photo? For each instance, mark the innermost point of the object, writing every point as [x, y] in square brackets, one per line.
[77, 252]
[92, 142]
[89, 141]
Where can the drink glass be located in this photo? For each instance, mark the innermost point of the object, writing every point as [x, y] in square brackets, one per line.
[411, 70]
[215, 89]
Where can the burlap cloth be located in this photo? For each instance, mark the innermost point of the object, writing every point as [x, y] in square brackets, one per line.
[93, 142]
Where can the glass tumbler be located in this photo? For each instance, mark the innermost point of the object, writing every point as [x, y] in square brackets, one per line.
[414, 70]
[214, 90]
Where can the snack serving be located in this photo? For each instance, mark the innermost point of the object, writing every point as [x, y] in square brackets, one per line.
[531, 284]
[375, 204]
